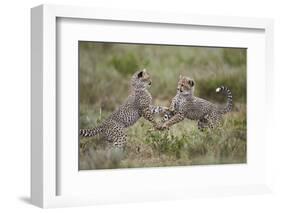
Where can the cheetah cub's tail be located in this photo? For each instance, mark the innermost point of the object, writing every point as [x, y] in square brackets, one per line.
[225, 91]
[90, 132]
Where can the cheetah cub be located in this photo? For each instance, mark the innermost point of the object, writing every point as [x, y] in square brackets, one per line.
[137, 105]
[186, 105]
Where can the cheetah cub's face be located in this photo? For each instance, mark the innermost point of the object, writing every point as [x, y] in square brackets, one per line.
[141, 80]
[186, 85]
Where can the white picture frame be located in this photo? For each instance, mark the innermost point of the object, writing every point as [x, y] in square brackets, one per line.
[45, 168]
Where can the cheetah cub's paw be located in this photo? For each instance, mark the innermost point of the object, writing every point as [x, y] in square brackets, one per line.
[158, 126]
[162, 127]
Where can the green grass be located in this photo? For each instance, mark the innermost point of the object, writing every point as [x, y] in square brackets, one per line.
[105, 71]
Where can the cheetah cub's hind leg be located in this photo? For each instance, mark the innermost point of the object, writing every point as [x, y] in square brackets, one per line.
[203, 123]
[115, 134]
[211, 121]
[120, 141]
[214, 119]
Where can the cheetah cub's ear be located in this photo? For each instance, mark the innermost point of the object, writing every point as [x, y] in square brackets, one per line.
[191, 83]
[140, 74]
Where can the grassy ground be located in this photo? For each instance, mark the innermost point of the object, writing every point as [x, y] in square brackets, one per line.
[105, 70]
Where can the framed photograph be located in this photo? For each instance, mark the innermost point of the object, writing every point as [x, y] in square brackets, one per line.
[129, 106]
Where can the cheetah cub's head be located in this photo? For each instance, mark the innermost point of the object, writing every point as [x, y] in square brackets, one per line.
[186, 85]
[141, 80]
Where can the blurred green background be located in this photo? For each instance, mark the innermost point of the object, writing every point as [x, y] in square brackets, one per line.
[105, 70]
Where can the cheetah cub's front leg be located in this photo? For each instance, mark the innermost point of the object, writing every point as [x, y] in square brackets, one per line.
[146, 114]
[175, 119]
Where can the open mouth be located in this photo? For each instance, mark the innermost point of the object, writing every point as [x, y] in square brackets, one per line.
[149, 83]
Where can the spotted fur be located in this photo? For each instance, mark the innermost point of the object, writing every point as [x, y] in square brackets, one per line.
[186, 105]
[137, 105]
